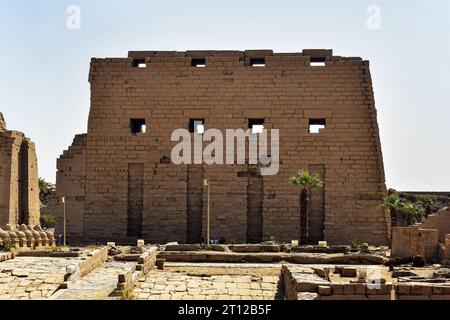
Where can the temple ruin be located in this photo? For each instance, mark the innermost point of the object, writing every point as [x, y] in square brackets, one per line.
[120, 185]
[19, 189]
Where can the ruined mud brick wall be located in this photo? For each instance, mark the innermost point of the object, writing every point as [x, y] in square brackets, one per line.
[129, 179]
[19, 188]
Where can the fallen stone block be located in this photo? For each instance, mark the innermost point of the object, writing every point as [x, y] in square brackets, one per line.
[324, 290]
[347, 272]
[307, 296]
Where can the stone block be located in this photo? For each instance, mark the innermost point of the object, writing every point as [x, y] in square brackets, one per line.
[324, 290]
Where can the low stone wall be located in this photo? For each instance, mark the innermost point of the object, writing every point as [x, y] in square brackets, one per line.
[305, 284]
[264, 257]
[184, 247]
[94, 260]
[49, 253]
[255, 248]
[407, 291]
[86, 264]
[146, 263]
[251, 248]
[298, 280]
[6, 256]
[317, 249]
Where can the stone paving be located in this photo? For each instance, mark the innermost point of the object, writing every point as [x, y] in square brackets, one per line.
[179, 286]
[32, 278]
[98, 284]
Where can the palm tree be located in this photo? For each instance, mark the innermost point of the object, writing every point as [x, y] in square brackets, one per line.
[43, 185]
[412, 211]
[308, 182]
[393, 203]
[428, 202]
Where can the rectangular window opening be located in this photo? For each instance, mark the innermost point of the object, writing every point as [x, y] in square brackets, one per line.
[258, 62]
[197, 126]
[139, 63]
[315, 125]
[317, 62]
[198, 62]
[138, 126]
[256, 125]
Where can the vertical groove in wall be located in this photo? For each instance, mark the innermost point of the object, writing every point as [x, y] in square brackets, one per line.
[22, 193]
[255, 194]
[194, 203]
[317, 206]
[135, 199]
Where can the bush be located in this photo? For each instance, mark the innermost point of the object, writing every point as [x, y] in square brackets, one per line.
[7, 245]
[127, 294]
[356, 245]
[48, 220]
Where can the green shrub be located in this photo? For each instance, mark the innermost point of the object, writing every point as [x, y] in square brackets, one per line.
[48, 221]
[7, 245]
[127, 295]
[356, 245]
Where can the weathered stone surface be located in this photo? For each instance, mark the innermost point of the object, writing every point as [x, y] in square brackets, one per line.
[2, 122]
[307, 296]
[120, 175]
[317, 249]
[255, 248]
[19, 190]
[220, 247]
[347, 272]
[265, 257]
[176, 286]
[32, 277]
[414, 241]
[183, 247]
[325, 290]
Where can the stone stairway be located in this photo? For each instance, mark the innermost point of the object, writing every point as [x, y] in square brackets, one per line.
[97, 285]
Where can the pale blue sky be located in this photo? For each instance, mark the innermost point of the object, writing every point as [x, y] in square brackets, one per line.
[44, 66]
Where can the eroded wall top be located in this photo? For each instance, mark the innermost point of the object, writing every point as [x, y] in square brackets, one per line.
[2, 122]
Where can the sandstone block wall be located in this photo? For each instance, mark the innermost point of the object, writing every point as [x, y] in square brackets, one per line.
[19, 186]
[166, 91]
[413, 241]
[440, 221]
[71, 184]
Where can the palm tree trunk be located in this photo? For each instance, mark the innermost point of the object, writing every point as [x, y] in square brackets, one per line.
[304, 228]
[393, 212]
[427, 211]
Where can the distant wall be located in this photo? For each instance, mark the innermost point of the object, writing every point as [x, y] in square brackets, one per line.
[70, 181]
[19, 186]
